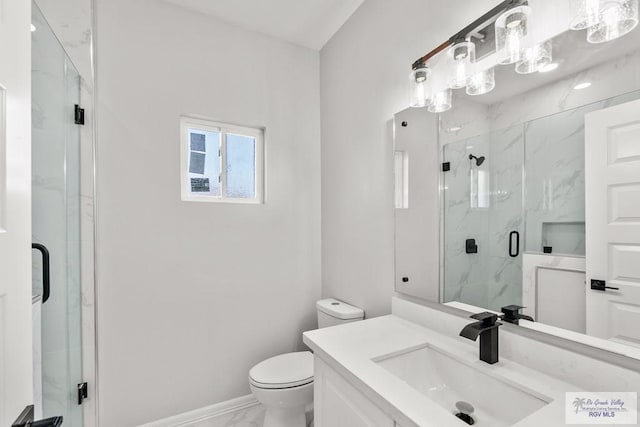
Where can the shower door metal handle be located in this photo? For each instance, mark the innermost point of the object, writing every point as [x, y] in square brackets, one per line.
[46, 276]
[514, 253]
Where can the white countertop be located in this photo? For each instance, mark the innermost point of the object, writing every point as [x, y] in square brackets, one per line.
[350, 349]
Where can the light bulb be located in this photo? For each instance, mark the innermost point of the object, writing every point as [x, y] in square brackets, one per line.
[462, 56]
[512, 29]
[616, 18]
[441, 101]
[419, 96]
[482, 82]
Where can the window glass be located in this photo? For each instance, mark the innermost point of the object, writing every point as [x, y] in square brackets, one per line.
[241, 166]
[221, 163]
[204, 163]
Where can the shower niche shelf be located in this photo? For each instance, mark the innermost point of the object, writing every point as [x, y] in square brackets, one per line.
[567, 238]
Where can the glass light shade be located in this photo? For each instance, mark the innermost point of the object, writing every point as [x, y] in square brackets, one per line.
[419, 96]
[585, 13]
[441, 101]
[535, 58]
[512, 29]
[462, 56]
[617, 18]
[482, 82]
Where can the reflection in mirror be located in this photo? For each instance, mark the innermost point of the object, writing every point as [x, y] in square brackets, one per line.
[541, 194]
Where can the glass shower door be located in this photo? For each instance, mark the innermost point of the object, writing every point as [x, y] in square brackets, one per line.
[483, 219]
[56, 219]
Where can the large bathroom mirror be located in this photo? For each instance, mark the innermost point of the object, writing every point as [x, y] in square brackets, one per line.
[538, 199]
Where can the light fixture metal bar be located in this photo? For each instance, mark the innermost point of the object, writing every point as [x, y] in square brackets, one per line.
[469, 29]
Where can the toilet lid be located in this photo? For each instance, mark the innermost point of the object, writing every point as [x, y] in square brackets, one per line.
[283, 371]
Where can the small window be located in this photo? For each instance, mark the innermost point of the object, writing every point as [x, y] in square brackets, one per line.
[221, 163]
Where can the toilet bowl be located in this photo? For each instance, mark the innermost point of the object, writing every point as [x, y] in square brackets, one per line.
[284, 383]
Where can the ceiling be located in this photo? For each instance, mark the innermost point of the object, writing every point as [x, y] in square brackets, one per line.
[308, 23]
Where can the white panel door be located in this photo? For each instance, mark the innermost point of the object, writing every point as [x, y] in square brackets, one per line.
[16, 389]
[613, 222]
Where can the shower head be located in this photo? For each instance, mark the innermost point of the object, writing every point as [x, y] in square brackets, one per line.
[479, 160]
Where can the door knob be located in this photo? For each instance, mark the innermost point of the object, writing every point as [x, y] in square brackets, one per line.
[601, 285]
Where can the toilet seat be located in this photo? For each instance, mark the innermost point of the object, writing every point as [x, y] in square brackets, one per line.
[283, 371]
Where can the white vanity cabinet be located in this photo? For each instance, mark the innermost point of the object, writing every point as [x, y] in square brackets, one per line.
[339, 404]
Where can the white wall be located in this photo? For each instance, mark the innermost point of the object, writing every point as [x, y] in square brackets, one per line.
[191, 295]
[364, 70]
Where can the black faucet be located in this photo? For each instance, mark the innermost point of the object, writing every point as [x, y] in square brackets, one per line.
[487, 330]
[512, 314]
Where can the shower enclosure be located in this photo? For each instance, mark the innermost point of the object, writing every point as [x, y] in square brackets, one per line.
[527, 196]
[483, 214]
[56, 223]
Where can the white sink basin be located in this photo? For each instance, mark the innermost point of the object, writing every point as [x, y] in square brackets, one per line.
[447, 380]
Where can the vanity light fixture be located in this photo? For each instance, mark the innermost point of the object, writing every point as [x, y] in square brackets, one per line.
[605, 20]
[616, 19]
[549, 67]
[535, 58]
[482, 82]
[441, 101]
[586, 13]
[510, 25]
[418, 87]
[512, 29]
[462, 56]
[432, 86]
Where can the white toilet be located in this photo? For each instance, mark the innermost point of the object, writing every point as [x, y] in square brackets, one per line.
[284, 383]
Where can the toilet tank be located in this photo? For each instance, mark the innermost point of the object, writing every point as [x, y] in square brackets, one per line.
[332, 312]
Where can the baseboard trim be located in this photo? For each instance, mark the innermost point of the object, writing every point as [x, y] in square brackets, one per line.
[206, 413]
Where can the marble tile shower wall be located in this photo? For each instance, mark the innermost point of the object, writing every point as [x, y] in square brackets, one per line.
[543, 140]
[71, 22]
[464, 275]
[483, 203]
[555, 186]
[56, 218]
[554, 197]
